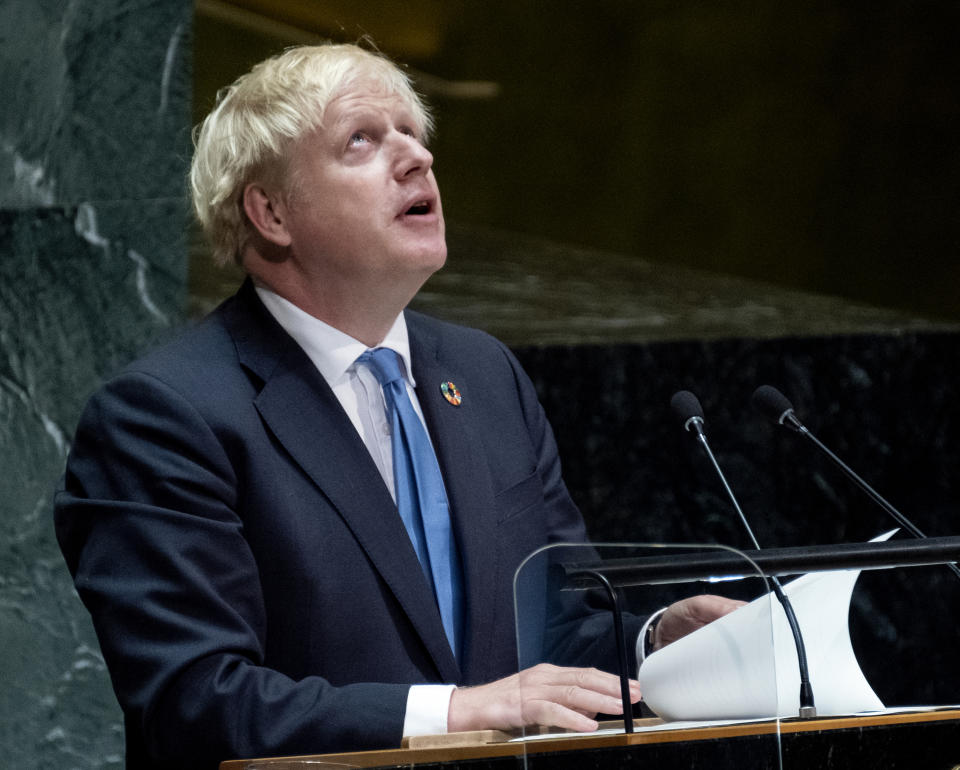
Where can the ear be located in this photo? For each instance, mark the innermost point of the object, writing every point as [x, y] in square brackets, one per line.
[267, 213]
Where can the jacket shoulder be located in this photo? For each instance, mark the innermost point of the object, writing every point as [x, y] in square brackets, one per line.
[455, 341]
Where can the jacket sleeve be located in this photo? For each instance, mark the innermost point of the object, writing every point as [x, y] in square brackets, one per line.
[147, 521]
[565, 523]
[563, 628]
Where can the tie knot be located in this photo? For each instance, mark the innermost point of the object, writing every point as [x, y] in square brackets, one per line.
[384, 363]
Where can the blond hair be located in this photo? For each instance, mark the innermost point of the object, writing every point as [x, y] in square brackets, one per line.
[258, 117]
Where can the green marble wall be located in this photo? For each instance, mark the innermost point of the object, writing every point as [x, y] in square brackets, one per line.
[94, 137]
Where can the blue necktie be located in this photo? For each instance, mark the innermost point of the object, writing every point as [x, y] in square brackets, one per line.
[421, 496]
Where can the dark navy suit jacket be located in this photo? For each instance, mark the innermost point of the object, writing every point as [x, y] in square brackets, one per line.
[251, 583]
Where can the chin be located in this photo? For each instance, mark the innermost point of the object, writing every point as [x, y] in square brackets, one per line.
[440, 259]
[433, 258]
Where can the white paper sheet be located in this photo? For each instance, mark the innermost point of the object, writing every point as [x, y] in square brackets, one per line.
[731, 669]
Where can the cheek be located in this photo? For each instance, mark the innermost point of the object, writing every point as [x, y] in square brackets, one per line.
[320, 213]
[353, 229]
[338, 211]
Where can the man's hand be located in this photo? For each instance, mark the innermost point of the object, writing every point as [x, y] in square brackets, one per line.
[687, 615]
[542, 695]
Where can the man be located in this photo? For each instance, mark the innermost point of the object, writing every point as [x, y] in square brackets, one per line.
[230, 507]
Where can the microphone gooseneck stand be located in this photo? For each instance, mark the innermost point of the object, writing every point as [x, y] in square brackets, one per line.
[777, 408]
[687, 407]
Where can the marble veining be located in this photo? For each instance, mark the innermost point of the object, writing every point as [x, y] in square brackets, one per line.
[143, 269]
[30, 183]
[169, 62]
[93, 140]
[97, 101]
[85, 223]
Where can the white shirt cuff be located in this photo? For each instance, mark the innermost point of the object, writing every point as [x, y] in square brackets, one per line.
[644, 633]
[427, 708]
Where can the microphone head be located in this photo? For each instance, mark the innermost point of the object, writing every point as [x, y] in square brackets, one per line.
[687, 407]
[771, 403]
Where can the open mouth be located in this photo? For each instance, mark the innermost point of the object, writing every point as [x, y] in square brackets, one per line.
[418, 209]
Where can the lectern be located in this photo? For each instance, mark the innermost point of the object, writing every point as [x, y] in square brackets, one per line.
[577, 600]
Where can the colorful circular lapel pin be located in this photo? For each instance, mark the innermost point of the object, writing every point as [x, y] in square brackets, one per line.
[451, 393]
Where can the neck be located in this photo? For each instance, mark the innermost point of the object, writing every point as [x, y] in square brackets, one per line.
[365, 315]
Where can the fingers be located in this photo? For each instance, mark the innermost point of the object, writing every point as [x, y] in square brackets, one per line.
[707, 608]
[551, 714]
[577, 679]
[687, 615]
[570, 697]
[542, 695]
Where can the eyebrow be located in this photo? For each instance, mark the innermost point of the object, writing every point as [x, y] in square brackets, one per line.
[359, 112]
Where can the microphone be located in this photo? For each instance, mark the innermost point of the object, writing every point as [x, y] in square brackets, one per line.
[771, 403]
[687, 407]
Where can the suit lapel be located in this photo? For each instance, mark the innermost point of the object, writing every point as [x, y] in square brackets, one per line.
[467, 479]
[307, 419]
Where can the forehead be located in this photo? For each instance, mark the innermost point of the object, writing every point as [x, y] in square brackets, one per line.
[362, 98]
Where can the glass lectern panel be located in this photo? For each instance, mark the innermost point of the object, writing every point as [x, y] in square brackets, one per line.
[794, 649]
[588, 606]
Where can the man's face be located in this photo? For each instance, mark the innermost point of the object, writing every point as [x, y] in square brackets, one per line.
[364, 208]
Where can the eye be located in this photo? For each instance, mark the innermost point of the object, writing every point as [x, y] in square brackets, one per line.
[358, 138]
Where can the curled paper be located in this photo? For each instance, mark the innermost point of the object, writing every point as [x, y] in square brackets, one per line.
[744, 665]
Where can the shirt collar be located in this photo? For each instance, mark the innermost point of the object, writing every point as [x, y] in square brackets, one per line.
[332, 351]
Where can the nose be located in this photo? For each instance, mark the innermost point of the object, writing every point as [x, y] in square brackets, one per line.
[412, 158]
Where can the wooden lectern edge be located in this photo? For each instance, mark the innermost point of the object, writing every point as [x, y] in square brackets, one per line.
[483, 737]
[480, 748]
[469, 738]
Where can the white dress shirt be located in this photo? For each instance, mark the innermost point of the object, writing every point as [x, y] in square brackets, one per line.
[335, 356]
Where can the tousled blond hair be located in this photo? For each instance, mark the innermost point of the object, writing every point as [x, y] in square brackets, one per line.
[256, 119]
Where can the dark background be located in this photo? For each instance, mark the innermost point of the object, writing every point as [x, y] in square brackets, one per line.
[811, 145]
[883, 403]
